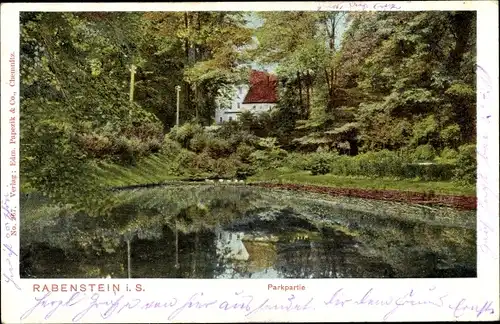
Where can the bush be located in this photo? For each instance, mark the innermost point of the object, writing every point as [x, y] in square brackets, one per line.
[218, 147]
[225, 167]
[297, 161]
[242, 137]
[129, 149]
[423, 153]
[203, 163]
[450, 135]
[243, 152]
[185, 133]
[466, 165]
[429, 172]
[184, 163]
[198, 142]
[154, 145]
[448, 154]
[170, 147]
[346, 166]
[145, 131]
[319, 166]
[245, 170]
[374, 164]
[386, 164]
[320, 162]
[269, 156]
[96, 145]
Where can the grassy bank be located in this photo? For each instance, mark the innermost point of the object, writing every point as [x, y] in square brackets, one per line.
[152, 169]
[283, 175]
[155, 169]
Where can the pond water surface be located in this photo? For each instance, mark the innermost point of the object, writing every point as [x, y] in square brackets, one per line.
[224, 231]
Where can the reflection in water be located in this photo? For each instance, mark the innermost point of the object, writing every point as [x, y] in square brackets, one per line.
[241, 232]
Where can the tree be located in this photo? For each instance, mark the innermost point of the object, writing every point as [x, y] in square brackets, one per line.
[75, 105]
[211, 44]
[417, 70]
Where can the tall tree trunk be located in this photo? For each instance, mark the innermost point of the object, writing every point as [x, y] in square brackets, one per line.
[301, 101]
[196, 58]
[328, 83]
[187, 88]
[462, 27]
[308, 96]
[353, 147]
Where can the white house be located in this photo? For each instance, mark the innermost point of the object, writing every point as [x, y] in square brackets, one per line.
[259, 96]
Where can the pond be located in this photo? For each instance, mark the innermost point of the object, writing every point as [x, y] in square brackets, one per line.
[236, 231]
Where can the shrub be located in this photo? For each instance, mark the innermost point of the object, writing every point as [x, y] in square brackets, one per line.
[243, 152]
[429, 172]
[269, 156]
[297, 161]
[225, 167]
[320, 162]
[96, 145]
[242, 137]
[184, 162]
[185, 133]
[423, 153]
[154, 145]
[376, 164]
[466, 164]
[144, 131]
[448, 154]
[199, 142]
[345, 165]
[218, 147]
[203, 162]
[450, 135]
[245, 170]
[129, 149]
[259, 158]
[170, 147]
[319, 166]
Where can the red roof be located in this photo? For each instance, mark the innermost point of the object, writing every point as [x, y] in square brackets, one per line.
[263, 88]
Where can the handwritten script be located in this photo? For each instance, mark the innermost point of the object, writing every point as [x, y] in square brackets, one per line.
[487, 189]
[79, 305]
[10, 256]
[361, 6]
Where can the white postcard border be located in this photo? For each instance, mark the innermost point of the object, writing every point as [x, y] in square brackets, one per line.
[225, 300]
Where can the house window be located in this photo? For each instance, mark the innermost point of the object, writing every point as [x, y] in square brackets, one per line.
[254, 107]
[238, 105]
[230, 118]
[220, 119]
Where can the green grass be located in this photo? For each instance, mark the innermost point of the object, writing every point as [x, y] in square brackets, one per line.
[149, 170]
[304, 177]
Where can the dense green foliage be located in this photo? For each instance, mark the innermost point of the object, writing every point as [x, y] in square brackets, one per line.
[395, 81]
[99, 87]
[368, 94]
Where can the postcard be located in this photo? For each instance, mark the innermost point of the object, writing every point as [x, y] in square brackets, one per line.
[249, 162]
